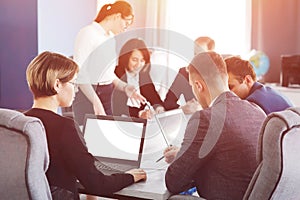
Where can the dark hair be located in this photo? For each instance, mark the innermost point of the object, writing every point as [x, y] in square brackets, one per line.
[122, 7]
[45, 68]
[126, 52]
[240, 67]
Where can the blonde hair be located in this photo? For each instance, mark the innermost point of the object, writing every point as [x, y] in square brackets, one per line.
[45, 68]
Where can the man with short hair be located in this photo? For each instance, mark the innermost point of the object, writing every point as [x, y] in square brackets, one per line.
[242, 81]
[180, 85]
[218, 152]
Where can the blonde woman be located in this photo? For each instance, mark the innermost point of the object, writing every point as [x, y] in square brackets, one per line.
[51, 78]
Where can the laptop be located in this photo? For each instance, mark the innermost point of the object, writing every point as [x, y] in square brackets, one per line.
[172, 126]
[165, 129]
[116, 142]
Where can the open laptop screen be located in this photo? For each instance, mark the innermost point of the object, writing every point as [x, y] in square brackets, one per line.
[114, 138]
[172, 125]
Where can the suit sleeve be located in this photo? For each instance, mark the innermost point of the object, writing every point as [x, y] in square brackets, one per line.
[179, 86]
[180, 174]
[148, 90]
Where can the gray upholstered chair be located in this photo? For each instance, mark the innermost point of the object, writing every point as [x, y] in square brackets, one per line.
[24, 157]
[278, 175]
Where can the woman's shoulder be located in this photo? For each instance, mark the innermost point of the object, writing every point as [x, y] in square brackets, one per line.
[49, 116]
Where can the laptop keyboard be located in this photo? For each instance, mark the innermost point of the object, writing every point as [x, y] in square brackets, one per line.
[112, 168]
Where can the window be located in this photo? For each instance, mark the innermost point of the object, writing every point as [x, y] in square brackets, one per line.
[227, 22]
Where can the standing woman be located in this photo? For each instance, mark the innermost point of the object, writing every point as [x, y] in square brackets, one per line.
[134, 69]
[112, 19]
[51, 78]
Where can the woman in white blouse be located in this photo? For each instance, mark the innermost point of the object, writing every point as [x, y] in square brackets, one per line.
[95, 54]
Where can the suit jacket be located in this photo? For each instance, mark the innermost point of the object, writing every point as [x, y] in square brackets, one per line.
[218, 152]
[179, 86]
[267, 98]
[147, 89]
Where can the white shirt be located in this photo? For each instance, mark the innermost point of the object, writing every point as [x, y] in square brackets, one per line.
[95, 54]
[133, 79]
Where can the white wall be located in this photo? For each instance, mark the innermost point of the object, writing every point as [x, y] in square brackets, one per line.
[60, 20]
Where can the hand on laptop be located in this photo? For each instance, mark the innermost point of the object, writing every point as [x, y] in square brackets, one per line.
[138, 174]
[159, 109]
[170, 153]
[149, 112]
[146, 114]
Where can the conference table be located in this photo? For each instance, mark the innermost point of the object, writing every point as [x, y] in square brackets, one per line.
[154, 187]
[154, 144]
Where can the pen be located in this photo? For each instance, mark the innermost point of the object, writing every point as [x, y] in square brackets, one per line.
[161, 157]
[149, 106]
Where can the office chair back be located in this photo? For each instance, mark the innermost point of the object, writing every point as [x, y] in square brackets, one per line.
[24, 157]
[278, 175]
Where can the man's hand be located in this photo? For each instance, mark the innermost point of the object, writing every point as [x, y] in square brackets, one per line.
[170, 153]
[159, 109]
[191, 106]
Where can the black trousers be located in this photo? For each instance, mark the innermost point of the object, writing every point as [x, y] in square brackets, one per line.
[82, 106]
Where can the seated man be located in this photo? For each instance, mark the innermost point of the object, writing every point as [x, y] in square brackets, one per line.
[181, 85]
[242, 81]
[218, 152]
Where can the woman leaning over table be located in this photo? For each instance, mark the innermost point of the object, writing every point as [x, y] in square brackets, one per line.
[111, 20]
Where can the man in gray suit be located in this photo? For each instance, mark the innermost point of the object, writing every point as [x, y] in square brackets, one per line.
[218, 152]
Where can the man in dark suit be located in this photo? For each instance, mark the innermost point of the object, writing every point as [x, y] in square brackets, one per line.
[180, 85]
[218, 152]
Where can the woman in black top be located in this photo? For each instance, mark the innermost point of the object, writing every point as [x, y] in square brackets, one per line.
[51, 79]
[134, 69]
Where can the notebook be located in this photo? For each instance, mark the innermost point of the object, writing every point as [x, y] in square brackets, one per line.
[116, 142]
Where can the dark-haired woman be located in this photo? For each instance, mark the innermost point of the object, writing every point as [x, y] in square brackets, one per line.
[134, 69]
[112, 19]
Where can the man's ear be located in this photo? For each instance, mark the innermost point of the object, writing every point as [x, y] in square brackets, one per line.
[199, 85]
[249, 81]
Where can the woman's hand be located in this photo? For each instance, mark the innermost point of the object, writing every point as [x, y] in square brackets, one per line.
[146, 114]
[98, 107]
[138, 174]
[133, 95]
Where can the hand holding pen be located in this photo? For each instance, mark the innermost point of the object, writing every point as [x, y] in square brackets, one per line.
[169, 154]
[147, 113]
